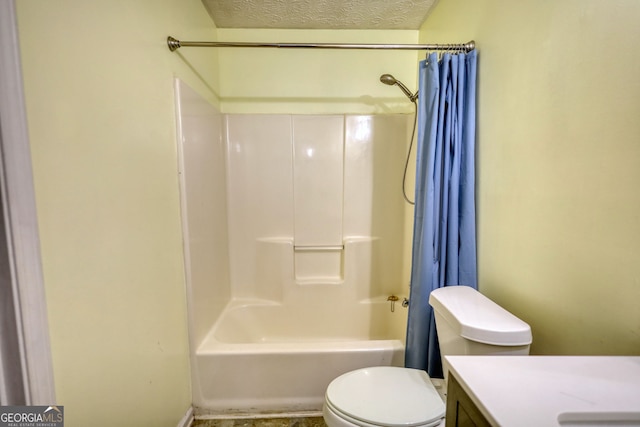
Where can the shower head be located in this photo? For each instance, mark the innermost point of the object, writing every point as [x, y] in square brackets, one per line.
[388, 79]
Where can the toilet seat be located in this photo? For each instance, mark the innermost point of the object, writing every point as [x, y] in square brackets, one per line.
[385, 396]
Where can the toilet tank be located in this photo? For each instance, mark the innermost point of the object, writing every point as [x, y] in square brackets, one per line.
[468, 323]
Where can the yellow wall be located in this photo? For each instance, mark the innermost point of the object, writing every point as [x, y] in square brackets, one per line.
[558, 164]
[304, 81]
[100, 104]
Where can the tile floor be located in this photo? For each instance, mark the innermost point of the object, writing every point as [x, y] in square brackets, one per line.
[262, 422]
[289, 422]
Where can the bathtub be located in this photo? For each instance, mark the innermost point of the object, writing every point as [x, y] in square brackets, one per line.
[263, 357]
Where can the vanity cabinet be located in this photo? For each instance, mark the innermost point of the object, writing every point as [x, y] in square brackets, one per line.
[461, 411]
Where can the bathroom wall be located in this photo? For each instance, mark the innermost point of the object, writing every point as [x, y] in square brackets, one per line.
[313, 81]
[100, 105]
[558, 155]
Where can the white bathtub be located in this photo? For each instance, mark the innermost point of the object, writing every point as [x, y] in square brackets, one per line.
[271, 358]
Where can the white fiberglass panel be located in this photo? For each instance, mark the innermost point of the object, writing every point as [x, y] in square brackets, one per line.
[260, 193]
[375, 152]
[203, 196]
[318, 179]
[266, 356]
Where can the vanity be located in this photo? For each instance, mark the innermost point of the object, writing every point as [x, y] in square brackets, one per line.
[562, 391]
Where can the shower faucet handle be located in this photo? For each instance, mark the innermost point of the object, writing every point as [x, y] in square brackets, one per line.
[393, 300]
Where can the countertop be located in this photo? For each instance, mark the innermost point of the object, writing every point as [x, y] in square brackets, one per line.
[552, 390]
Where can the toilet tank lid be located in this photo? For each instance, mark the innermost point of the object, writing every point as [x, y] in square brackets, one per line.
[477, 318]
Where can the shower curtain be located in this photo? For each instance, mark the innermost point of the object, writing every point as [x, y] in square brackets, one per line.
[444, 235]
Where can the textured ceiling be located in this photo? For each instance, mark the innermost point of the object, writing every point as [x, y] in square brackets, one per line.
[319, 14]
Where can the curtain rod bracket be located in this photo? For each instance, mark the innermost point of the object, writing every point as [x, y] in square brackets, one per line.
[173, 43]
[469, 46]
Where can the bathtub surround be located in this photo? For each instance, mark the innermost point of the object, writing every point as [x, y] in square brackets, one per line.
[318, 168]
[322, 184]
[203, 187]
[291, 254]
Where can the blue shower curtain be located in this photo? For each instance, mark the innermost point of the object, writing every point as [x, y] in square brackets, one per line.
[444, 235]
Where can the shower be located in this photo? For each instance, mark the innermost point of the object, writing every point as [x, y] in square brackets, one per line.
[388, 79]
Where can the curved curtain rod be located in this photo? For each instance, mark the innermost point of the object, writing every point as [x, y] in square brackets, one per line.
[175, 44]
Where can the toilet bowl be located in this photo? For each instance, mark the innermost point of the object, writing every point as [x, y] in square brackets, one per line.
[468, 323]
[383, 396]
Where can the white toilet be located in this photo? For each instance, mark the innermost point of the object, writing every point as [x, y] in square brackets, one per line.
[468, 323]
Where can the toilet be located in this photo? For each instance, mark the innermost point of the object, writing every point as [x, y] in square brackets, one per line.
[468, 323]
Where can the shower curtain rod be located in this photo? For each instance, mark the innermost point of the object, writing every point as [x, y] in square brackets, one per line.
[175, 44]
